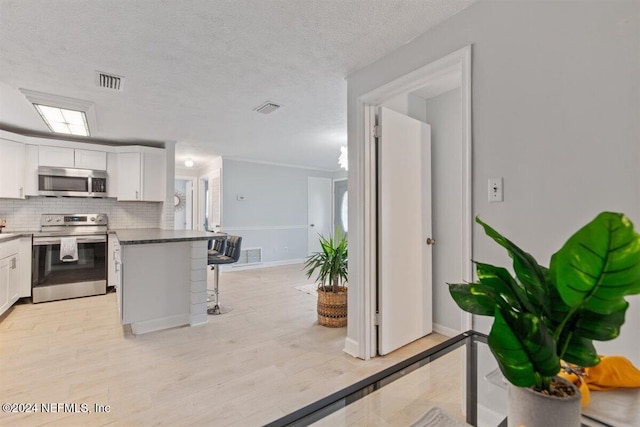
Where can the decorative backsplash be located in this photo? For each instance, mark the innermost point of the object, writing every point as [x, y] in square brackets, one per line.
[25, 214]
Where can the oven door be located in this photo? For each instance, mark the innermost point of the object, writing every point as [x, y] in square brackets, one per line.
[54, 278]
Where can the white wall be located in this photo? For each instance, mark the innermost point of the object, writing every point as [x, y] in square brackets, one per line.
[556, 103]
[180, 216]
[273, 214]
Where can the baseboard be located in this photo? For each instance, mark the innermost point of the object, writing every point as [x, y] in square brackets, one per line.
[146, 326]
[443, 330]
[488, 417]
[351, 347]
[263, 264]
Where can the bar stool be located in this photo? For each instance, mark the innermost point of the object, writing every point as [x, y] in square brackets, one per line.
[231, 256]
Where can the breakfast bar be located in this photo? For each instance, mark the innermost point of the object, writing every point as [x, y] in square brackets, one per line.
[160, 277]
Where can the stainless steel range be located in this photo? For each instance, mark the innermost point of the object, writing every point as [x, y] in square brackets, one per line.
[69, 257]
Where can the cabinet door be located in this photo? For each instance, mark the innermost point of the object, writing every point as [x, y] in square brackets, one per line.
[5, 274]
[129, 174]
[153, 184]
[12, 159]
[24, 267]
[56, 157]
[14, 278]
[90, 159]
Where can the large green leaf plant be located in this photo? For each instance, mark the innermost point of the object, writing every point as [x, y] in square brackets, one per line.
[543, 316]
[330, 262]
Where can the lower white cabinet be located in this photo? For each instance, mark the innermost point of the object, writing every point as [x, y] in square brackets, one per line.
[114, 274]
[9, 274]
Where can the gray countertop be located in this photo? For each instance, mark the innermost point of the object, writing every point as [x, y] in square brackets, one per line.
[139, 236]
[5, 237]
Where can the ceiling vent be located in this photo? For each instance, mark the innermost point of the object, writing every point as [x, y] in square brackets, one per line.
[109, 81]
[267, 107]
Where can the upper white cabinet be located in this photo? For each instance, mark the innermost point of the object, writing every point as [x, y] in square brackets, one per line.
[63, 157]
[90, 159]
[12, 167]
[141, 174]
[56, 157]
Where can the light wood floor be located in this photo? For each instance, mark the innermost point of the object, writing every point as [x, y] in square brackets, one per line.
[266, 358]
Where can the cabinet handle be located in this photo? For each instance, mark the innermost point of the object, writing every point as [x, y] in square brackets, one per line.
[21, 191]
[13, 263]
[136, 194]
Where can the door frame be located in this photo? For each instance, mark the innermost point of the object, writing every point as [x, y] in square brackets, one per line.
[362, 200]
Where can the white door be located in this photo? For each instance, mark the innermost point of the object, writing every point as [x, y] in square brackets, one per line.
[404, 224]
[319, 211]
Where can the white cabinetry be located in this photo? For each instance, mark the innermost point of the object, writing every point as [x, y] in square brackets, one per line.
[9, 274]
[141, 175]
[56, 157]
[90, 159]
[24, 279]
[12, 166]
[63, 157]
[114, 276]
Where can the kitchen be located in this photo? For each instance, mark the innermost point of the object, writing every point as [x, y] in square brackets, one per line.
[77, 213]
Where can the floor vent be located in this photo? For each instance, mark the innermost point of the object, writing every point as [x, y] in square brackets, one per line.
[110, 81]
[249, 256]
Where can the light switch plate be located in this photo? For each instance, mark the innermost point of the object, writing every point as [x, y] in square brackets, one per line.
[495, 190]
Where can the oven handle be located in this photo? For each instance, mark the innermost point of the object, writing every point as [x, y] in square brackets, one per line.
[43, 241]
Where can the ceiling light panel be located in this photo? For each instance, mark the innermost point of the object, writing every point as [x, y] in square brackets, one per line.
[61, 120]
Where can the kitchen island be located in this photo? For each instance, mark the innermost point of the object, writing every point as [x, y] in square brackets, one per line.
[160, 277]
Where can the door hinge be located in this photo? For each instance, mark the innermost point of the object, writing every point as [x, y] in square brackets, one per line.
[376, 131]
[376, 318]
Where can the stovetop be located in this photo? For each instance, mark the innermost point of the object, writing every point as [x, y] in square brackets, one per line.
[72, 225]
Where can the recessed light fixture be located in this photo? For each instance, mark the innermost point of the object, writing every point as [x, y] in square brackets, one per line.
[62, 114]
[267, 107]
[188, 163]
[62, 120]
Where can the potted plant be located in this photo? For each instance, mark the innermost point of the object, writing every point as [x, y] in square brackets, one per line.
[545, 315]
[331, 264]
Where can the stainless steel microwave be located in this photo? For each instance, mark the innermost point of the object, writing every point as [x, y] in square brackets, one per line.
[70, 182]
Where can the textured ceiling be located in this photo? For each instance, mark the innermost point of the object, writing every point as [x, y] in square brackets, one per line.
[195, 70]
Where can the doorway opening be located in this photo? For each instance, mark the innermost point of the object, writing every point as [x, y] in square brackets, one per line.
[185, 217]
[436, 89]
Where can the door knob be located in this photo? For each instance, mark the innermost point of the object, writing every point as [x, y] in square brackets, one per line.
[431, 241]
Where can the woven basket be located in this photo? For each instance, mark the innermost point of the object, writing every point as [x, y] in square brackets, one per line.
[332, 309]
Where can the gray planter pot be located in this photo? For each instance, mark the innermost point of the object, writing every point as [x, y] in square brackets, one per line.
[532, 409]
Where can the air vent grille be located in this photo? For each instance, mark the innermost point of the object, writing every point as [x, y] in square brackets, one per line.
[110, 81]
[267, 107]
[249, 256]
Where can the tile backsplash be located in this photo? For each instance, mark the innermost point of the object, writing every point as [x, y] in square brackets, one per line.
[25, 214]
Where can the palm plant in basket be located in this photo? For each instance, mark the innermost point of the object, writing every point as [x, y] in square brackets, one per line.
[331, 266]
[545, 315]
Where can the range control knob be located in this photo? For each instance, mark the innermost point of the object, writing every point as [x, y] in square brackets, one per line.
[93, 219]
[58, 219]
[48, 219]
[100, 218]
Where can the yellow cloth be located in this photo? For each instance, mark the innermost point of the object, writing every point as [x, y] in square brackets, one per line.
[612, 372]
